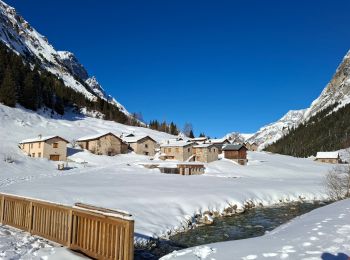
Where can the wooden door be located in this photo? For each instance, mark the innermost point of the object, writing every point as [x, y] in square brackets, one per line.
[54, 157]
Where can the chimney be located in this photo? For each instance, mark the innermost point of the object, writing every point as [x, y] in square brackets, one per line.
[40, 136]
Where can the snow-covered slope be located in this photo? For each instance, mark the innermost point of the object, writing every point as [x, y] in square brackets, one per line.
[336, 91]
[23, 39]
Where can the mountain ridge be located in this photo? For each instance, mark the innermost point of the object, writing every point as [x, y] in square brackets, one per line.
[17, 34]
[336, 91]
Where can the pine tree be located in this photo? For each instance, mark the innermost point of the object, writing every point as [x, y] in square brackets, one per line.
[173, 129]
[8, 90]
[29, 96]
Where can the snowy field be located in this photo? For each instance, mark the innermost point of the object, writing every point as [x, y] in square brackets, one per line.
[323, 233]
[160, 203]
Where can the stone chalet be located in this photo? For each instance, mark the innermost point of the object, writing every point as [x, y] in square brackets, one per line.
[205, 153]
[181, 150]
[144, 145]
[218, 143]
[50, 147]
[103, 144]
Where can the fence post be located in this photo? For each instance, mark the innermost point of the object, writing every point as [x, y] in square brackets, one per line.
[2, 208]
[70, 227]
[30, 216]
[129, 240]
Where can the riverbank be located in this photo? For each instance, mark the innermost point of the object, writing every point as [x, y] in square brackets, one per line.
[250, 223]
[322, 232]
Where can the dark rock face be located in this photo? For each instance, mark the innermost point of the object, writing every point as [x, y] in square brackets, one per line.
[72, 64]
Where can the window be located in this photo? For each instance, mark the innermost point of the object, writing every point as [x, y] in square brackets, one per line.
[146, 145]
[177, 150]
[31, 145]
[39, 145]
[189, 150]
[55, 145]
[39, 154]
[33, 154]
[169, 150]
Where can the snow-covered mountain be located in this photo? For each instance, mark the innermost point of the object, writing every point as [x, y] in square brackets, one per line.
[24, 40]
[336, 91]
[274, 131]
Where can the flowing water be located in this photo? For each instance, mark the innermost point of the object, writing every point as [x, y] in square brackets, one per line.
[253, 222]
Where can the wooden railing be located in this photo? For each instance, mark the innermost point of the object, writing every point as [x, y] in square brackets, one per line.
[97, 232]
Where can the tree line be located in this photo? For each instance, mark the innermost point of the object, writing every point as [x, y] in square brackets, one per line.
[34, 88]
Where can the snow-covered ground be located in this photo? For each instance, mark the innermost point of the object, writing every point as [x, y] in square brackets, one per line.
[17, 244]
[323, 233]
[160, 203]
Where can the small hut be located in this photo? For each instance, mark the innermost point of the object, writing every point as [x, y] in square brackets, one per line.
[236, 153]
[328, 157]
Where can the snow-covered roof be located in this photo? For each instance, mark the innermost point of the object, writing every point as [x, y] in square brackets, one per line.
[177, 144]
[233, 147]
[327, 155]
[217, 141]
[199, 139]
[168, 165]
[41, 139]
[93, 137]
[191, 163]
[202, 145]
[134, 139]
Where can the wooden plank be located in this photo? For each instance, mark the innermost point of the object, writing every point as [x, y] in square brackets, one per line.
[2, 208]
[105, 210]
[30, 216]
[130, 237]
[69, 229]
[116, 245]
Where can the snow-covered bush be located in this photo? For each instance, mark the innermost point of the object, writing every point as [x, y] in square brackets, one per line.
[337, 182]
[9, 158]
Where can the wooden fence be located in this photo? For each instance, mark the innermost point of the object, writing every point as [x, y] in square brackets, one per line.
[97, 232]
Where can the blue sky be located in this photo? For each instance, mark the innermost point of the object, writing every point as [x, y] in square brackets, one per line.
[221, 65]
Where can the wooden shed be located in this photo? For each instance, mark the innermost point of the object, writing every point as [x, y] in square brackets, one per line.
[103, 144]
[236, 152]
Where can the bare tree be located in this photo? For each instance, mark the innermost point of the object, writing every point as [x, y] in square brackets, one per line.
[188, 128]
[73, 142]
[337, 182]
